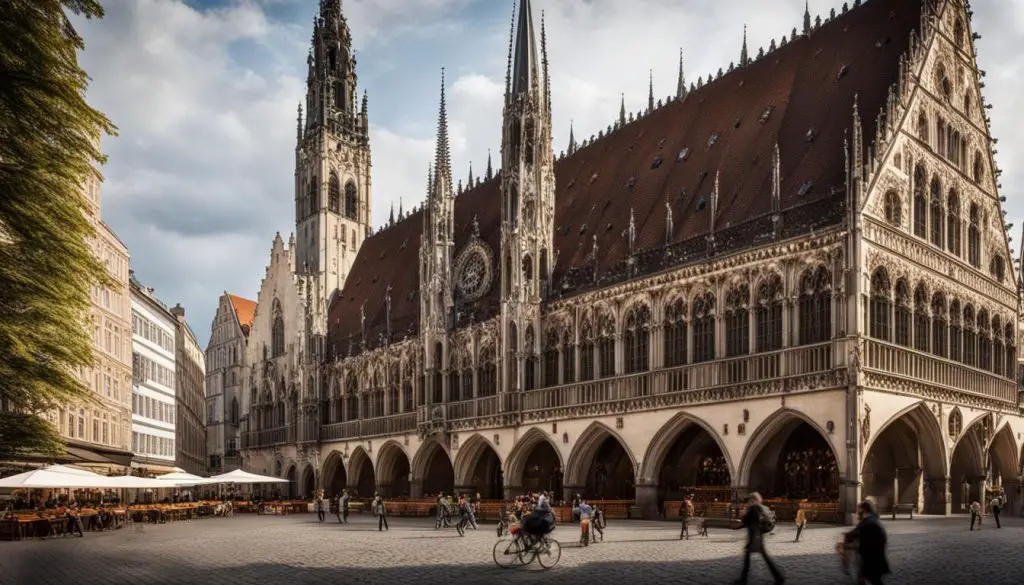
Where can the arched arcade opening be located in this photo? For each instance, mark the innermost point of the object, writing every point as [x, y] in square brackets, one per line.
[684, 459]
[788, 459]
[334, 479]
[906, 463]
[600, 466]
[434, 468]
[362, 479]
[478, 469]
[393, 471]
[308, 485]
[534, 465]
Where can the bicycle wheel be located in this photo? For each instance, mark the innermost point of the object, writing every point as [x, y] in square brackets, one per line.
[508, 553]
[549, 555]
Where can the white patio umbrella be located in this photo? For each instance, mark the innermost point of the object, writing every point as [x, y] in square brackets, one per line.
[134, 482]
[239, 476]
[182, 478]
[56, 476]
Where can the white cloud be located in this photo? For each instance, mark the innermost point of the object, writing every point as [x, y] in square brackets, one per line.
[202, 174]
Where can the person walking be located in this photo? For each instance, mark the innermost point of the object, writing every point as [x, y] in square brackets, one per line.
[685, 513]
[758, 522]
[343, 505]
[975, 514]
[801, 522]
[597, 524]
[870, 540]
[996, 506]
[318, 505]
[442, 507]
[381, 511]
[464, 516]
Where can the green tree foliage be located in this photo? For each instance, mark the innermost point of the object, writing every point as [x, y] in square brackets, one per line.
[49, 145]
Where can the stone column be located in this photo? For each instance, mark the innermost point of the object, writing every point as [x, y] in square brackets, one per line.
[568, 491]
[416, 488]
[647, 500]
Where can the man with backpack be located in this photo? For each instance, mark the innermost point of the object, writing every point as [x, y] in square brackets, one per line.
[758, 521]
[996, 507]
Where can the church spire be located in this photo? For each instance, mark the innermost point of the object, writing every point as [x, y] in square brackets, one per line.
[508, 67]
[489, 174]
[524, 64]
[298, 129]
[544, 63]
[650, 91]
[622, 111]
[744, 56]
[442, 156]
[807, 18]
[572, 140]
[681, 83]
[469, 185]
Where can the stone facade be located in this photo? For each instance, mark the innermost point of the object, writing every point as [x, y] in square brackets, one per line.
[225, 375]
[190, 398]
[850, 339]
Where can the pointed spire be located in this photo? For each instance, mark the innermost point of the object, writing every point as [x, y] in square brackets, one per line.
[524, 62]
[490, 171]
[391, 218]
[511, 36]
[544, 62]
[298, 126]
[470, 183]
[744, 58]
[807, 18]
[430, 180]
[365, 106]
[681, 83]
[401, 213]
[572, 140]
[442, 157]
[650, 90]
[622, 111]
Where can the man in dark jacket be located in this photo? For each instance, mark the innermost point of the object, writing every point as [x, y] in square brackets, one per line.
[870, 539]
[752, 521]
[343, 506]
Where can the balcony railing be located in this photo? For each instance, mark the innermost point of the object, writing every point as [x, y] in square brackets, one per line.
[915, 365]
[268, 437]
[370, 427]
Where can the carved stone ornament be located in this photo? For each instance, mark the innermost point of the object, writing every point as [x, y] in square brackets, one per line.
[474, 270]
[865, 426]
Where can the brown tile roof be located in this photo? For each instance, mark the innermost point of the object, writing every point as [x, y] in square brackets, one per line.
[799, 97]
[245, 310]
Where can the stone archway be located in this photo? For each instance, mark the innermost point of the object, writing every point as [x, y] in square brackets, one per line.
[534, 465]
[601, 466]
[478, 469]
[393, 471]
[685, 457]
[905, 462]
[362, 479]
[969, 464]
[308, 485]
[1003, 470]
[433, 469]
[333, 477]
[789, 457]
[292, 489]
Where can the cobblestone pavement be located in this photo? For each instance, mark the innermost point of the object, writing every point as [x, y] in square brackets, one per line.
[267, 550]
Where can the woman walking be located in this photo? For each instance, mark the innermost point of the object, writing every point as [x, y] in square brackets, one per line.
[381, 511]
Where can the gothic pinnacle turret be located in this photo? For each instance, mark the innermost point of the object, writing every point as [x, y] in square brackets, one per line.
[744, 55]
[681, 83]
[807, 18]
[572, 140]
[650, 91]
[489, 174]
[525, 72]
[622, 111]
[442, 156]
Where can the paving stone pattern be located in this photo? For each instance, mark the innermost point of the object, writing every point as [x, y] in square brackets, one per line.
[268, 550]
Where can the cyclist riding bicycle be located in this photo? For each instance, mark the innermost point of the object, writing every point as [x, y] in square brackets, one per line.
[540, 521]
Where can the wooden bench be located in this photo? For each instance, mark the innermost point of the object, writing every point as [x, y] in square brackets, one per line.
[903, 509]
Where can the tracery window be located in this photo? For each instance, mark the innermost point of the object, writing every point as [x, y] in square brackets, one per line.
[675, 333]
[606, 346]
[955, 331]
[998, 349]
[737, 321]
[970, 337]
[920, 204]
[998, 267]
[489, 372]
[984, 341]
[467, 383]
[958, 33]
[881, 306]
[939, 331]
[351, 200]
[277, 330]
[902, 313]
[956, 424]
[937, 215]
[922, 321]
[704, 328]
[1009, 338]
[314, 198]
[530, 367]
[551, 358]
[978, 169]
[816, 306]
[568, 359]
[586, 349]
[637, 338]
[769, 314]
[893, 208]
[922, 127]
[334, 194]
[953, 223]
[974, 237]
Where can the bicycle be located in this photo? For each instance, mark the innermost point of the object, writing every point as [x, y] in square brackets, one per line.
[521, 549]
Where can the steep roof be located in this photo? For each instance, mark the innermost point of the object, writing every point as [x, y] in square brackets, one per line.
[245, 310]
[799, 97]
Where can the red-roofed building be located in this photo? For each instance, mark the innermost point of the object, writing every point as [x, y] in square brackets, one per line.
[793, 277]
[225, 374]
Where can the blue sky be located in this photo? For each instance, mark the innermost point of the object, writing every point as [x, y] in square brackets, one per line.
[205, 94]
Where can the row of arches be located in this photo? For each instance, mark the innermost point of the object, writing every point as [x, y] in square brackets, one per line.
[948, 328]
[308, 202]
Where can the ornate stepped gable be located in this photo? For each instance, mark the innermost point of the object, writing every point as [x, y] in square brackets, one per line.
[798, 96]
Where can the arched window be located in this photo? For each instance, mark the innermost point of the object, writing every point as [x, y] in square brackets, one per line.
[586, 349]
[902, 312]
[958, 33]
[979, 168]
[334, 194]
[438, 394]
[551, 358]
[704, 328]
[737, 321]
[606, 344]
[394, 386]
[769, 314]
[955, 331]
[234, 411]
[967, 104]
[314, 199]
[816, 306]
[998, 267]
[568, 357]
[937, 214]
[998, 349]
[881, 306]
[351, 200]
[637, 337]
[922, 320]
[953, 223]
[893, 208]
[943, 83]
[970, 337]
[922, 127]
[489, 372]
[974, 237]
[1009, 338]
[675, 333]
[939, 324]
[920, 203]
[984, 341]
[956, 424]
[277, 330]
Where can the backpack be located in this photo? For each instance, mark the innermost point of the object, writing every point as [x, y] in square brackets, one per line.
[766, 523]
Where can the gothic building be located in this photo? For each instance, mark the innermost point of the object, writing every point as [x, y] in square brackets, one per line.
[793, 276]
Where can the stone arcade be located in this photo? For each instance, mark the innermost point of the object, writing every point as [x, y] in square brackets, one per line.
[792, 277]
